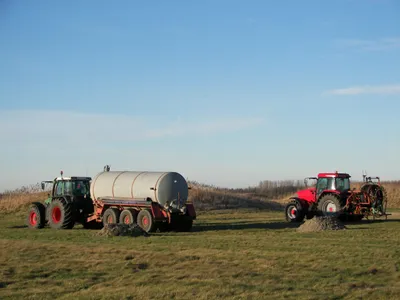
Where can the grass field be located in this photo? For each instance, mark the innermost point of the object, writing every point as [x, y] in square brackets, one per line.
[231, 254]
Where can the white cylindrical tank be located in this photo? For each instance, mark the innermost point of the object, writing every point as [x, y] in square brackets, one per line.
[162, 187]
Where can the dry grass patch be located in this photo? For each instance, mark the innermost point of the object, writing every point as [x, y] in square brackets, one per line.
[13, 202]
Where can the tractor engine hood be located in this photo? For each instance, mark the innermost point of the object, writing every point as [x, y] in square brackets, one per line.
[307, 194]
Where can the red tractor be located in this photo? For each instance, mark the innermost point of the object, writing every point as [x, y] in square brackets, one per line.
[332, 196]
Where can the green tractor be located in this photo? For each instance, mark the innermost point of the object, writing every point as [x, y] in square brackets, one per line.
[68, 203]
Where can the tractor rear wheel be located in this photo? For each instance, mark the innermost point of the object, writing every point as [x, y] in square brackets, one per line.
[294, 211]
[329, 205]
[111, 216]
[145, 220]
[36, 215]
[61, 214]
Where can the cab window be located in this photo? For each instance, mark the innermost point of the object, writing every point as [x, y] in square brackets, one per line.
[80, 187]
[322, 184]
[59, 189]
[68, 187]
[325, 184]
[342, 184]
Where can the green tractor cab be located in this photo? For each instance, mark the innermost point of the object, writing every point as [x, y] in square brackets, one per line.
[68, 203]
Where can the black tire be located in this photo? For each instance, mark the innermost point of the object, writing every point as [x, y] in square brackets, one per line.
[61, 214]
[294, 211]
[127, 216]
[145, 221]
[111, 216]
[329, 205]
[36, 218]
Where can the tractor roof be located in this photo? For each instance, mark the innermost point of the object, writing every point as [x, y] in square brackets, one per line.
[333, 174]
[73, 178]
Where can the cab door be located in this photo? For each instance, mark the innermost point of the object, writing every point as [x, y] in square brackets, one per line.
[59, 189]
[322, 185]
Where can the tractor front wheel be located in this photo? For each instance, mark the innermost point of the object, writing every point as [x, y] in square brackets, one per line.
[294, 211]
[36, 215]
[61, 214]
[329, 206]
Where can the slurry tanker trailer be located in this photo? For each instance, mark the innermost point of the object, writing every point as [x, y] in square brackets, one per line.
[153, 200]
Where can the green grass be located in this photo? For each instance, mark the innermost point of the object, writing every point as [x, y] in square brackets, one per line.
[229, 254]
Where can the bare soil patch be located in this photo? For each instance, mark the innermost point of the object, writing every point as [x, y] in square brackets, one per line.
[132, 230]
[321, 224]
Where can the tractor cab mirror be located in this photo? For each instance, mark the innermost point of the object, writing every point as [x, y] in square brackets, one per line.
[42, 185]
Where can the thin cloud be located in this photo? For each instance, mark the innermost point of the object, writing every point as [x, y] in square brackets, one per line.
[367, 89]
[382, 44]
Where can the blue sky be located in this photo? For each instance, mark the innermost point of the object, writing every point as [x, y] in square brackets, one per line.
[224, 92]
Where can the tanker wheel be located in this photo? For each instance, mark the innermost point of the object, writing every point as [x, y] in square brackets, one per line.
[127, 216]
[294, 212]
[36, 215]
[111, 216]
[145, 220]
[329, 206]
[61, 214]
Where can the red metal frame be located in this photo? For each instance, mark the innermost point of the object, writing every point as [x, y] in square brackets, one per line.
[159, 214]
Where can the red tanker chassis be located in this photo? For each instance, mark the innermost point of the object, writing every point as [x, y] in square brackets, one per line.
[145, 212]
[332, 196]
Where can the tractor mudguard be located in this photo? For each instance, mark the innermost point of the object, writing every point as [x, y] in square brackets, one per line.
[304, 204]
